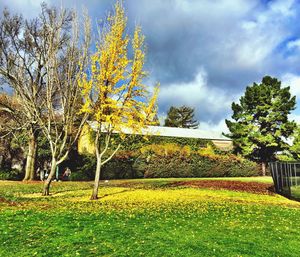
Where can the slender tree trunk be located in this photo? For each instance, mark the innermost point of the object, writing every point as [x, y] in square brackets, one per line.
[263, 168]
[1, 161]
[47, 183]
[97, 179]
[31, 156]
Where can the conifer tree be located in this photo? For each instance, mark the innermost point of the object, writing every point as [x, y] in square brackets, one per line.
[181, 117]
[260, 125]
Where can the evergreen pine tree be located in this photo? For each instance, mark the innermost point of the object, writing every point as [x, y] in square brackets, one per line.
[172, 118]
[260, 123]
[181, 117]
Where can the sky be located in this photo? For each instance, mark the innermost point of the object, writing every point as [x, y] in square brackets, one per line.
[205, 52]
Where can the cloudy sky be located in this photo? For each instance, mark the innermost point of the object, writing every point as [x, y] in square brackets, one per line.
[205, 52]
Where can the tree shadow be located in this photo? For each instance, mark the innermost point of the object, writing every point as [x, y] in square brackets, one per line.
[116, 193]
[271, 189]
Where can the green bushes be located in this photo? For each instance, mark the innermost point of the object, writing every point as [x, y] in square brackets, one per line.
[11, 174]
[167, 160]
[119, 167]
[79, 176]
[122, 166]
[171, 160]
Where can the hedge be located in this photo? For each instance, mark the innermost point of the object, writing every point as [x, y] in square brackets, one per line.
[169, 160]
[11, 174]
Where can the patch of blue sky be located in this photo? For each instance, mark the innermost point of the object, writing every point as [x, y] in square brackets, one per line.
[285, 48]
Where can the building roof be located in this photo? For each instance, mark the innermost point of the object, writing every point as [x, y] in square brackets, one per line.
[175, 132]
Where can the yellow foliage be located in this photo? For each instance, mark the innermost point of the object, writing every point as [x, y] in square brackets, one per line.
[85, 144]
[166, 150]
[113, 92]
[207, 151]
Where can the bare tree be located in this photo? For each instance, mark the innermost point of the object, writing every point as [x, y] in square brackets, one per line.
[40, 59]
[59, 119]
[22, 60]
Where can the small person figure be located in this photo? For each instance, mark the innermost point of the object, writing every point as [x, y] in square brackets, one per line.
[42, 175]
[38, 172]
[44, 172]
[67, 173]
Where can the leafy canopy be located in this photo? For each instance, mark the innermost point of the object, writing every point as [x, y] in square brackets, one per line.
[113, 89]
[260, 125]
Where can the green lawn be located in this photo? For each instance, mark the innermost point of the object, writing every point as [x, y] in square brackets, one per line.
[295, 192]
[151, 219]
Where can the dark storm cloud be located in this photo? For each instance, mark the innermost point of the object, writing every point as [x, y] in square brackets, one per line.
[184, 35]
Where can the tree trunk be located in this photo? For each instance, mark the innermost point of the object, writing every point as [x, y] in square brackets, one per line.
[97, 179]
[47, 183]
[1, 161]
[31, 156]
[263, 168]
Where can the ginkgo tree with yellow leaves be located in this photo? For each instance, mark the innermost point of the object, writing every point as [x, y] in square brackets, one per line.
[114, 94]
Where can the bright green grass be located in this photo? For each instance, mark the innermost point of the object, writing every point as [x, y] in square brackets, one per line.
[145, 221]
[295, 192]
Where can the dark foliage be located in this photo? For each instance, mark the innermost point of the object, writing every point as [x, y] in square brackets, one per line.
[198, 166]
[167, 160]
[260, 123]
[181, 117]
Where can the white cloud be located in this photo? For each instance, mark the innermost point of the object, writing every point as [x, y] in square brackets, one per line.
[293, 44]
[258, 37]
[208, 101]
[293, 81]
[283, 7]
[295, 117]
[219, 127]
[28, 8]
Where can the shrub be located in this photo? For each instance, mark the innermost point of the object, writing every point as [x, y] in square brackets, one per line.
[79, 176]
[166, 160]
[121, 166]
[175, 161]
[223, 166]
[11, 174]
[84, 169]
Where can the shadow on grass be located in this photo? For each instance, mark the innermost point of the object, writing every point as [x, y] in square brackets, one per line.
[116, 193]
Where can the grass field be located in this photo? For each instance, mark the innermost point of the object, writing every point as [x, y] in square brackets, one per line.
[154, 217]
[295, 192]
